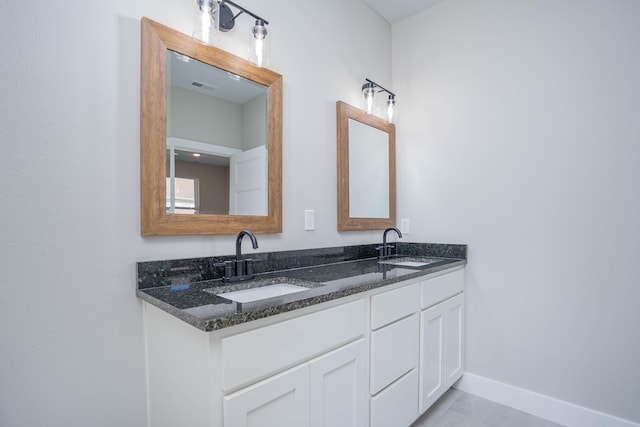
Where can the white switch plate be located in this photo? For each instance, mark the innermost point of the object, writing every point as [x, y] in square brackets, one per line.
[309, 220]
[404, 225]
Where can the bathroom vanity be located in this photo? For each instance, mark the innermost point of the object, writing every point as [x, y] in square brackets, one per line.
[368, 343]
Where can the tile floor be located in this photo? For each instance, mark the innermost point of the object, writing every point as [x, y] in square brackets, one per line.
[459, 409]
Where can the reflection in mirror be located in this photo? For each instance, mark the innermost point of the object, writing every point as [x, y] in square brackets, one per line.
[210, 137]
[216, 123]
[366, 170]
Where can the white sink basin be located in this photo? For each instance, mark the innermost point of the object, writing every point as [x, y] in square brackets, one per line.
[410, 263]
[262, 292]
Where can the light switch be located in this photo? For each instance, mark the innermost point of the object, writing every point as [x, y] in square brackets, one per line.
[309, 220]
[404, 225]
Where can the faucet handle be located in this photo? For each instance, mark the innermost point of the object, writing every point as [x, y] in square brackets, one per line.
[390, 247]
[382, 251]
[248, 267]
[228, 268]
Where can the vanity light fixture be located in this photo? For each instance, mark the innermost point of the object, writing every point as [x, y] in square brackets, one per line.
[369, 91]
[204, 28]
[212, 16]
[391, 109]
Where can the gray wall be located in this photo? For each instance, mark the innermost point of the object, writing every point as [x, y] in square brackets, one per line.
[71, 343]
[519, 134]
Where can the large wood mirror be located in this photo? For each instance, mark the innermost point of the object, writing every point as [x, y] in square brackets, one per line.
[198, 100]
[366, 170]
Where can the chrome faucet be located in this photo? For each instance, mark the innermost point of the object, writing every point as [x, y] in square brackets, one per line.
[385, 249]
[240, 269]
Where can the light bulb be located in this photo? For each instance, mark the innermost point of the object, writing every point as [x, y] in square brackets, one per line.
[391, 109]
[369, 93]
[259, 47]
[204, 29]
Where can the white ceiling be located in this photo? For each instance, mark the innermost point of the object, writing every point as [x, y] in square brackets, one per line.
[397, 10]
[184, 71]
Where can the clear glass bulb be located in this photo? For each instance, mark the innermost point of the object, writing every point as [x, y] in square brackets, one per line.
[259, 44]
[204, 28]
[391, 109]
[369, 93]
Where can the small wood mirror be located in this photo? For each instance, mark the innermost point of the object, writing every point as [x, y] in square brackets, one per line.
[366, 170]
[178, 123]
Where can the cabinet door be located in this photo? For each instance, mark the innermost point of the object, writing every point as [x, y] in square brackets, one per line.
[338, 392]
[454, 340]
[280, 401]
[432, 324]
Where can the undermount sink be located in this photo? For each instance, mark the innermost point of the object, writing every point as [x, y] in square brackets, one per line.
[410, 262]
[262, 292]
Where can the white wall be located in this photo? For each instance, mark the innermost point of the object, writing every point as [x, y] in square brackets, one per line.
[203, 118]
[71, 347]
[254, 122]
[519, 134]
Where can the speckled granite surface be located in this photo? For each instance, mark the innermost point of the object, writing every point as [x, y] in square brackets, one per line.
[189, 288]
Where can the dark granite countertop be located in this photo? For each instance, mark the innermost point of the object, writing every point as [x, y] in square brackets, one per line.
[188, 289]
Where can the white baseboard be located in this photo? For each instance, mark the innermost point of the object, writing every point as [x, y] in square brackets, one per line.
[549, 408]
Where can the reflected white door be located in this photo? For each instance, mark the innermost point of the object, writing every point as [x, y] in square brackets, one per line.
[248, 182]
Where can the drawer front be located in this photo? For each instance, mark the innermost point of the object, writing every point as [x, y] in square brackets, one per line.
[393, 305]
[397, 405]
[442, 287]
[255, 354]
[394, 352]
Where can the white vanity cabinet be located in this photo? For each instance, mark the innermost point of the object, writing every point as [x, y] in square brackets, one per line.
[441, 335]
[417, 338]
[305, 370]
[327, 391]
[394, 356]
[375, 359]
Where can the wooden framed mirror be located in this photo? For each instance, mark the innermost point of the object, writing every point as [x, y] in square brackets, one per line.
[170, 138]
[366, 170]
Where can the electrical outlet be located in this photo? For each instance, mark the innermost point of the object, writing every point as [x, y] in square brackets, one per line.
[404, 225]
[309, 220]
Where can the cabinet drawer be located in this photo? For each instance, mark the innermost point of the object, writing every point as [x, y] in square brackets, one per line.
[394, 352]
[254, 354]
[393, 305]
[442, 287]
[398, 404]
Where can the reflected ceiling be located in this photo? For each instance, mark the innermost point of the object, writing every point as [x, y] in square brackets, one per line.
[199, 77]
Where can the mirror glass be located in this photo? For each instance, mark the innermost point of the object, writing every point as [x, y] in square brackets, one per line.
[216, 123]
[210, 137]
[366, 170]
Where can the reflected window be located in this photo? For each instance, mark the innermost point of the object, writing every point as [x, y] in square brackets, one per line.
[184, 197]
